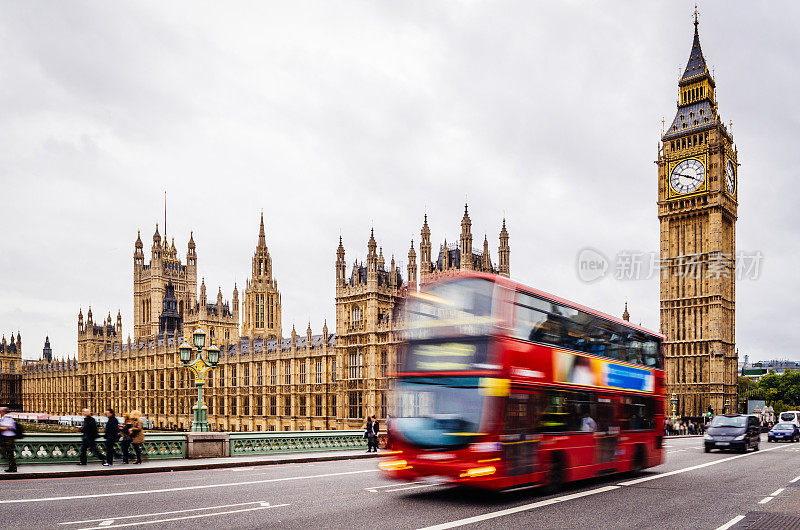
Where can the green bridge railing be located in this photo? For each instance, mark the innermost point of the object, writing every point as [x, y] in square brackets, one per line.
[262, 443]
[54, 448]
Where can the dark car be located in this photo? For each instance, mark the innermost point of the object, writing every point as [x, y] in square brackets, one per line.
[733, 431]
[784, 431]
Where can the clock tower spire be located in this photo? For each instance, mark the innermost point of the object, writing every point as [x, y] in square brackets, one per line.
[697, 212]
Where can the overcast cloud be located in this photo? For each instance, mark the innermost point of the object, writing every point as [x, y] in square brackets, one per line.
[334, 117]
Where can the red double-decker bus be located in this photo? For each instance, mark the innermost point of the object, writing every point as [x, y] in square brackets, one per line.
[503, 386]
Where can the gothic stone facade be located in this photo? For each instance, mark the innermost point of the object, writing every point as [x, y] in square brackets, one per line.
[697, 205]
[263, 382]
[11, 372]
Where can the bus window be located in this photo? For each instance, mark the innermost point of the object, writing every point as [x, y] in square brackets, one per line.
[568, 411]
[651, 354]
[527, 321]
[636, 413]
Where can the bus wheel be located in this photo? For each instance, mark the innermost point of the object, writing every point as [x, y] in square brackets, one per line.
[556, 475]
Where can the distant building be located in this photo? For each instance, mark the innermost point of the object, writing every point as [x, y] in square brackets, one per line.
[47, 351]
[760, 368]
[11, 372]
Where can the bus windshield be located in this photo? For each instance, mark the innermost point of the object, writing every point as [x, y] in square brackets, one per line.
[442, 412]
[450, 309]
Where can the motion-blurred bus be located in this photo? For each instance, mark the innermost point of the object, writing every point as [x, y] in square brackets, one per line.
[503, 386]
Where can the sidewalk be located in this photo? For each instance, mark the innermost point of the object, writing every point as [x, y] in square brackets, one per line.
[95, 467]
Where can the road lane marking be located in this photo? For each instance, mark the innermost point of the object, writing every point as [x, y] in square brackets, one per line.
[413, 487]
[184, 488]
[523, 508]
[692, 468]
[731, 522]
[116, 518]
[795, 479]
[197, 516]
[676, 451]
[374, 489]
[777, 492]
[765, 500]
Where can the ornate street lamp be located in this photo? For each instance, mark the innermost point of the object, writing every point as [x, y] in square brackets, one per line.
[674, 401]
[199, 367]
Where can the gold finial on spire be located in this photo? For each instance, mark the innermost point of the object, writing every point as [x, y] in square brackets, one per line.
[662, 125]
[696, 14]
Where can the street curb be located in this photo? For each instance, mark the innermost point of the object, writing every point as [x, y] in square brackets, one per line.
[114, 470]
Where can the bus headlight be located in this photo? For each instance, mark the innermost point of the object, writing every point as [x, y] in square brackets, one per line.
[478, 472]
[394, 465]
[485, 447]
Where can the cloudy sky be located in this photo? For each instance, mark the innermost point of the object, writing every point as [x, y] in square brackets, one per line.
[335, 117]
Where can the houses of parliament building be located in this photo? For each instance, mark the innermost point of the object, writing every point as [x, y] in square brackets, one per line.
[264, 381]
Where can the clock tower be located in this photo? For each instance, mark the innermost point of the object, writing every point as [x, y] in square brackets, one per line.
[697, 202]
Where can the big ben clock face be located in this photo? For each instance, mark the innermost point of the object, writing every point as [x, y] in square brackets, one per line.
[730, 177]
[687, 176]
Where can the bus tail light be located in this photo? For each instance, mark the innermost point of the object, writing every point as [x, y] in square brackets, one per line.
[394, 465]
[478, 472]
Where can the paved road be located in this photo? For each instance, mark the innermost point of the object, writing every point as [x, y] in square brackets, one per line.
[691, 490]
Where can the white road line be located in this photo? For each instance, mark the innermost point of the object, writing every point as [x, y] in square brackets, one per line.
[374, 489]
[731, 522]
[765, 500]
[524, 507]
[116, 518]
[154, 521]
[795, 479]
[413, 487]
[676, 451]
[777, 492]
[692, 468]
[184, 488]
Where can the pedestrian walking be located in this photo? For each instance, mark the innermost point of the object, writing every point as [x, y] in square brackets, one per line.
[125, 433]
[88, 436]
[111, 436]
[137, 434]
[8, 433]
[375, 431]
[368, 434]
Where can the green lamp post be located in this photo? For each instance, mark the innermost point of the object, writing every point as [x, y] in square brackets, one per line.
[199, 367]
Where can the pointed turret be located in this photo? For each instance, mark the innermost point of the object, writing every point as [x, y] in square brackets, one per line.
[412, 267]
[465, 243]
[625, 315]
[504, 252]
[308, 334]
[341, 266]
[325, 331]
[696, 67]
[262, 237]
[697, 106]
[425, 250]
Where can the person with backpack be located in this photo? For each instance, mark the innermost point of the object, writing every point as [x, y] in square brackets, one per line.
[8, 433]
